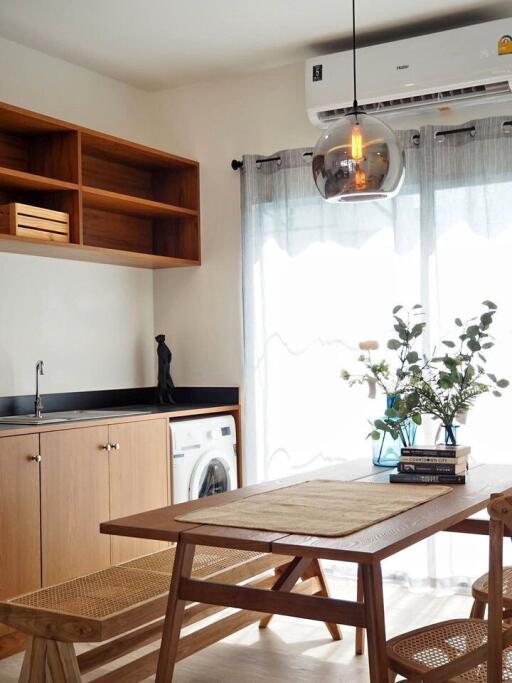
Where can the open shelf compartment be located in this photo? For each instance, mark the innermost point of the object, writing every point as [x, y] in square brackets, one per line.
[138, 199]
[60, 200]
[32, 144]
[133, 170]
[172, 237]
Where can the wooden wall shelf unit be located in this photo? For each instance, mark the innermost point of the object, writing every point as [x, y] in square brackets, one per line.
[128, 204]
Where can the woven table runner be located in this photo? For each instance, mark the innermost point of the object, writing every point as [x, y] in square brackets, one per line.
[318, 507]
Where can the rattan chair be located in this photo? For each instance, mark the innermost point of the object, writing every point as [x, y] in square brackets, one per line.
[463, 650]
[481, 595]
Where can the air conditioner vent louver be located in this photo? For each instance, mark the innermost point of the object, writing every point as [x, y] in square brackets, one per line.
[442, 98]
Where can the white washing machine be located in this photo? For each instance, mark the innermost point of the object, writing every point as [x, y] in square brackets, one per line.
[204, 458]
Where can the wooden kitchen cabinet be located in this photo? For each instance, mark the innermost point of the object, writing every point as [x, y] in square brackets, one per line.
[74, 500]
[128, 204]
[139, 479]
[90, 475]
[20, 549]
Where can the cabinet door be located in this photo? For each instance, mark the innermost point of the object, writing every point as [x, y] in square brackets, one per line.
[138, 479]
[20, 546]
[75, 499]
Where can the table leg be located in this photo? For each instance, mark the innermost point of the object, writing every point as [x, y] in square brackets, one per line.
[313, 569]
[316, 570]
[286, 580]
[375, 626]
[265, 621]
[183, 560]
[360, 633]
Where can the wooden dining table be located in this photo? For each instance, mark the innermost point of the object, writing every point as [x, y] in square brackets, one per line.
[367, 548]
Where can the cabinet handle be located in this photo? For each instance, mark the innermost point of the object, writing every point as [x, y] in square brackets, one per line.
[107, 447]
[36, 458]
[115, 446]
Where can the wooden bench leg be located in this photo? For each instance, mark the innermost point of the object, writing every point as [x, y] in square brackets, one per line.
[49, 661]
[25, 667]
[62, 662]
[33, 669]
[183, 560]
[360, 632]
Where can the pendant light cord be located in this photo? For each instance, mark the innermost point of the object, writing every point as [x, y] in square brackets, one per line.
[354, 51]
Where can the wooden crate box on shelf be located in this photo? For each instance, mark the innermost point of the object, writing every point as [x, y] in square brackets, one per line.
[24, 220]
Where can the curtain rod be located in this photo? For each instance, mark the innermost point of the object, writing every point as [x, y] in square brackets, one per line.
[237, 164]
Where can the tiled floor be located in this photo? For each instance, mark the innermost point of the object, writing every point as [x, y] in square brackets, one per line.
[292, 650]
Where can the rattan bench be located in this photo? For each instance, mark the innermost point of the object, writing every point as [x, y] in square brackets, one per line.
[124, 605]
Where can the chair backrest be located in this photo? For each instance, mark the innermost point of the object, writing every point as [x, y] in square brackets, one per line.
[500, 513]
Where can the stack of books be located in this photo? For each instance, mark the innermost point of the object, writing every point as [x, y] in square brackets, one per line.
[432, 465]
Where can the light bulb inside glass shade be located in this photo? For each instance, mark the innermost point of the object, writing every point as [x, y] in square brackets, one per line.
[358, 159]
[357, 143]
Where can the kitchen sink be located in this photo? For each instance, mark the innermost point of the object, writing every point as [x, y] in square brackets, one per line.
[31, 419]
[70, 415]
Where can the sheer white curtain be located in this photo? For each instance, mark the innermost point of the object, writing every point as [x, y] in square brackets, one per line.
[318, 278]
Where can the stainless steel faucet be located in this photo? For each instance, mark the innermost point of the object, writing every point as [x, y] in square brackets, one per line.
[38, 402]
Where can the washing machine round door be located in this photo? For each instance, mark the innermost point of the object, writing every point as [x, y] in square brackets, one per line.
[211, 475]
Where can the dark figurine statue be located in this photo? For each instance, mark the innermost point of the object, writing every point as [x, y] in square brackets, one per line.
[165, 383]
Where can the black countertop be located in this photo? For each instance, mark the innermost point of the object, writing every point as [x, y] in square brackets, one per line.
[188, 399]
[121, 398]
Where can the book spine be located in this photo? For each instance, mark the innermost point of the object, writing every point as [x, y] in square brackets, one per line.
[428, 468]
[427, 478]
[431, 460]
[431, 453]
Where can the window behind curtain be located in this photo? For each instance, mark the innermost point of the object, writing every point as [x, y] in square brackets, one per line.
[318, 278]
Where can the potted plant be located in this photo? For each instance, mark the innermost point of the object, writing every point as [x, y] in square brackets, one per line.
[447, 385]
[397, 427]
[444, 386]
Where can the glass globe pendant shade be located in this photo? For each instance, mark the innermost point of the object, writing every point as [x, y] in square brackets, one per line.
[358, 159]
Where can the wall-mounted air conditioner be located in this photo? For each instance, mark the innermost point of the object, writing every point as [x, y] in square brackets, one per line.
[440, 71]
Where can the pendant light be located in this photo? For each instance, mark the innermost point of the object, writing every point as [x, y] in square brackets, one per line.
[359, 157]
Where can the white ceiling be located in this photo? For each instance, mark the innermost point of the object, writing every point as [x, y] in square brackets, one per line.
[155, 44]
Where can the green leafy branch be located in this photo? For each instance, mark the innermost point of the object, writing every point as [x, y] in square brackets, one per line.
[449, 384]
[444, 386]
[394, 383]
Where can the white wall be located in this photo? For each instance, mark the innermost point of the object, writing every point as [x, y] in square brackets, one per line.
[52, 86]
[201, 310]
[91, 323]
